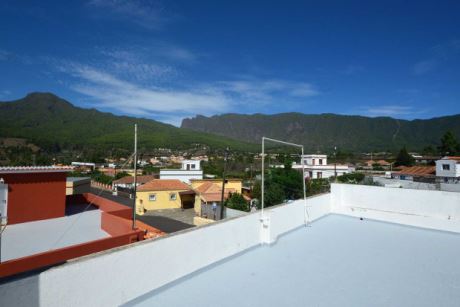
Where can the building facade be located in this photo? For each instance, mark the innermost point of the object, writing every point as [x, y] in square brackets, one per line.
[316, 167]
[448, 169]
[164, 194]
[190, 169]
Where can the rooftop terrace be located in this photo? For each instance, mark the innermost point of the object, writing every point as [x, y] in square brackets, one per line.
[338, 261]
[403, 252]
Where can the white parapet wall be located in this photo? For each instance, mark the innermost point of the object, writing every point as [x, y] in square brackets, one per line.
[285, 218]
[119, 275]
[421, 208]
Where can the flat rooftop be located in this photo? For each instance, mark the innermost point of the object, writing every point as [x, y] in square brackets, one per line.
[25, 239]
[338, 261]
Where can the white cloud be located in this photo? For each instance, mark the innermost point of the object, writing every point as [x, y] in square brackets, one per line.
[264, 90]
[440, 55]
[4, 94]
[148, 14]
[119, 85]
[109, 91]
[423, 67]
[391, 110]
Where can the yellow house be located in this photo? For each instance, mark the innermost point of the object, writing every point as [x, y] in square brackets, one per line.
[164, 194]
[209, 191]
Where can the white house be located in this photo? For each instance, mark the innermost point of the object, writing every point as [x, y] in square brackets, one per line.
[190, 169]
[448, 169]
[316, 167]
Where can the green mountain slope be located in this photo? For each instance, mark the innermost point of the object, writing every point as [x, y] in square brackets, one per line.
[324, 131]
[51, 122]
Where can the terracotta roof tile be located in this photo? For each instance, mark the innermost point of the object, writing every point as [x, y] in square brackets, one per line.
[418, 171]
[163, 185]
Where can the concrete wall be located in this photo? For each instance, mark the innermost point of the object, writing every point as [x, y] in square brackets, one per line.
[284, 218]
[406, 184]
[229, 213]
[450, 187]
[422, 208]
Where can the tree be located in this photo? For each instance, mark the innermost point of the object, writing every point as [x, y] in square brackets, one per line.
[236, 201]
[404, 158]
[280, 184]
[449, 144]
[429, 151]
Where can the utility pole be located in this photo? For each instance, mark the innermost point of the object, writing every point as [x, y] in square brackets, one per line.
[135, 176]
[335, 163]
[223, 185]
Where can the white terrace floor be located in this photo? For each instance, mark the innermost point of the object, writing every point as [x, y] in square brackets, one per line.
[338, 261]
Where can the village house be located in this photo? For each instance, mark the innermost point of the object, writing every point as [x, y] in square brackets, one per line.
[448, 169]
[164, 194]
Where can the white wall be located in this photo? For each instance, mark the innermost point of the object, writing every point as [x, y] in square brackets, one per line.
[114, 277]
[440, 172]
[182, 175]
[429, 209]
[285, 218]
[120, 275]
[406, 184]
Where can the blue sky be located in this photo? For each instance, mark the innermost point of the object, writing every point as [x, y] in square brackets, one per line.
[167, 60]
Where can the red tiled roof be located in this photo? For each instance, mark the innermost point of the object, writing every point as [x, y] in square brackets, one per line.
[217, 196]
[204, 187]
[163, 185]
[418, 171]
[455, 158]
[130, 179]
[211, 192]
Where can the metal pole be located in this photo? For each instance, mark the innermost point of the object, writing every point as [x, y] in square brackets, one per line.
[335, 163]
[135, 175]
[223, 185]
[263, 176]
[306, 218]
[1, 232]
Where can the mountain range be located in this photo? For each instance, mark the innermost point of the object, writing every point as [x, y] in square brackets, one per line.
[322, 132]
[52, 122]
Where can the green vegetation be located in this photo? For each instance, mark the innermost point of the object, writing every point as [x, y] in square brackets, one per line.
[236, 201]
[281, 184]
[404, 158]
[324, 131]
[317, 186]
[351, 178]
[56, 126]
[449, 144]
[96, 176]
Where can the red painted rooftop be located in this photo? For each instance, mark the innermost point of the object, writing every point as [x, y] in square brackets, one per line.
[34, 169]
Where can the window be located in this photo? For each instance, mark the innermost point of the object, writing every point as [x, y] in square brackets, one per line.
[172, 196]
[152, 197]
[319, 175]
[446, 167]
[193, 166]
[320, 161]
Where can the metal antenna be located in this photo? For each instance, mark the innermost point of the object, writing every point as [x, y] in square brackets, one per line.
[135, 176]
